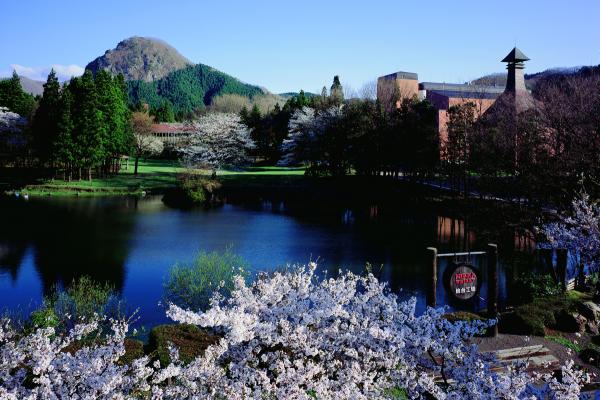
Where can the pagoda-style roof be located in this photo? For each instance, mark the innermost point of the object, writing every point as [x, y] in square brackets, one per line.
[515, 56]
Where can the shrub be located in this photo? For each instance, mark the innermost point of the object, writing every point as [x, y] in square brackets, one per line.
[530, 286]
[44, 317]
[532, 318]
[82, 300]
[192, 285]
[194, 189]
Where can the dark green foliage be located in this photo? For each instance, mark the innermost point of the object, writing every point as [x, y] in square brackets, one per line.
[188, 90]
[192, 285]
[44, 317]
[84, 126]
[397, 393]
[164, 113]
[112, 103]
[532, 318]
[81, 300]
[134, 349]
[189, 340]
[88, 128]
[199, 189]
[529, 286]
[14, 98]
[47, 118]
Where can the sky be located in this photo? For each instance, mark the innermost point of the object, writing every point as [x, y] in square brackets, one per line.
[292, 45]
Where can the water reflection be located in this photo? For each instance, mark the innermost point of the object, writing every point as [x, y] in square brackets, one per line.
[132, 242]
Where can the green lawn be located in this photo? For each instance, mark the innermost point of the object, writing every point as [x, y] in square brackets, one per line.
[153, 175]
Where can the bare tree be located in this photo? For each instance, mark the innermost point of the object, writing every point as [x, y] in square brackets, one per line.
[368, 91]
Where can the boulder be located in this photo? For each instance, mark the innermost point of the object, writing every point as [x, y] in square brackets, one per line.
[570, 322]
[589, 310]
[590, 356]
[592, 328]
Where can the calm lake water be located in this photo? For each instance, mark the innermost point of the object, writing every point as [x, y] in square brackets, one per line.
[132, 243]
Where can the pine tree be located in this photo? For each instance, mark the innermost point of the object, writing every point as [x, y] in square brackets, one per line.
[63, 147]
[14, 98]
[45, 124]
[164, 113]
[112, 103]
[87, 124]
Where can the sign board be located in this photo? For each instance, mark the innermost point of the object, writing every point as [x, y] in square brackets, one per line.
[463, 282]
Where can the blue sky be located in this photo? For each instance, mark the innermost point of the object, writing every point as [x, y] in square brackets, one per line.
[286, 46]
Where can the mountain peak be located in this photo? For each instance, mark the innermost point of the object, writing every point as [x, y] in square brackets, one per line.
[140, 58]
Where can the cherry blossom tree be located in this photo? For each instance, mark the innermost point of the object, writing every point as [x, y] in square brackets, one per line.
[288, 335]
[315, 138]
[578, 232]
[144, 142]
[11, 129]
[218, 140]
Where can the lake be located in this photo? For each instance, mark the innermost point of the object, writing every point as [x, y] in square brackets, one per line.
[132, 243]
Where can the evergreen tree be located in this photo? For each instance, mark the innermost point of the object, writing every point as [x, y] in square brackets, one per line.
[63, 147]
[45, 124]
[245, 115]
[164, 113]
[114, 128]
[14, 98]
[87, 124]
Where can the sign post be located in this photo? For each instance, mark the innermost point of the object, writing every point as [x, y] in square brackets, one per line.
[432, 263]
[492, 259]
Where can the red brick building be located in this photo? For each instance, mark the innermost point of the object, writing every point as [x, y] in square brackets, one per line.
[393, 88]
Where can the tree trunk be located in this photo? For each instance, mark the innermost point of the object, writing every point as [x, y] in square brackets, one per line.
[135, 169]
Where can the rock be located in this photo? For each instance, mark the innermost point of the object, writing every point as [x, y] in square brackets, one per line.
[570, 322]
[592, 327]
[590, 356]
[590, 310]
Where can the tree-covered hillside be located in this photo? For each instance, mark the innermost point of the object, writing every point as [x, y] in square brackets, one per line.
[189, 89]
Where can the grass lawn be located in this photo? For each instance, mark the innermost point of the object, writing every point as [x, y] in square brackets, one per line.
[153, 175]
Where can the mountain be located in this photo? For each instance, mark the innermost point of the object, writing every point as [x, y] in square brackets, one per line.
[157, 74]
[188, 89]
[33, 87]
[140, 58]
[499, 78]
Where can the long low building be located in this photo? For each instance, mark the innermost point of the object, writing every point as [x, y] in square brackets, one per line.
[392, 89]
[172, 132]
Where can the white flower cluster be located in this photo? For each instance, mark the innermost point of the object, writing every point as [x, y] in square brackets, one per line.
[579, 233]
[218, 140]
[11, 128]
[307, 126]
[44, 365]
[285, 336]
